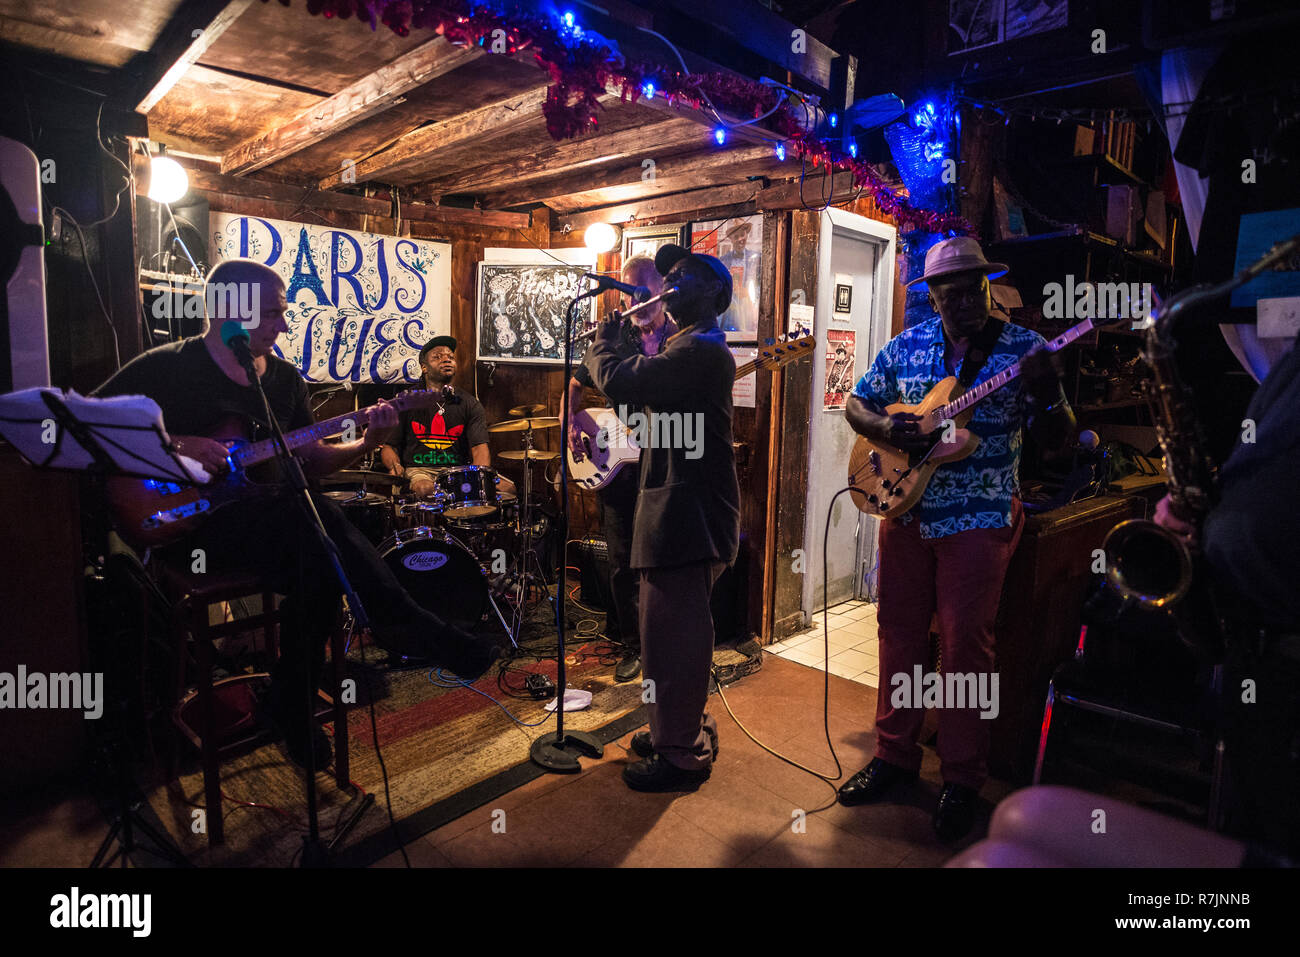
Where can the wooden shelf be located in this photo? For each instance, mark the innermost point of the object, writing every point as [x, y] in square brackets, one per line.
[1088, 238]
[1108, 170]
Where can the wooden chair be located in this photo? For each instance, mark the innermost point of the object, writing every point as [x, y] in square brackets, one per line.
[225, 723]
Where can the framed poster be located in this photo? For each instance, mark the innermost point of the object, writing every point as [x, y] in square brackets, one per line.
[981, 23]
[647, 240]
[739, 244]
[841, 351]
[361, 305]
[522, 304]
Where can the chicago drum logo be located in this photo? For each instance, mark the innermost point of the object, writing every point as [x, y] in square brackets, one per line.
[425, 561]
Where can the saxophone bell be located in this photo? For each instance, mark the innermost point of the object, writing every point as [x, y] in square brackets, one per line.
[1148, 564]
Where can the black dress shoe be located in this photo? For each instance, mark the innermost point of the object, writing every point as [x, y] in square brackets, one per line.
[644, 747]
[656, 773]
[628, 667]
[955, 813]
[872, 782]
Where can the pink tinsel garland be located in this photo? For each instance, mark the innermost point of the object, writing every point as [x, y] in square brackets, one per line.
[581, 72]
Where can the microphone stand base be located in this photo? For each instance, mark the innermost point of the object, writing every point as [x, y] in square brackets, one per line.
[561, 757]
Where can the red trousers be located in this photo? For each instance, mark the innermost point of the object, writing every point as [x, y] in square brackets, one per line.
[959, 579]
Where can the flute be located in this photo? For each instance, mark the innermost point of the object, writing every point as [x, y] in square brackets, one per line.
[662, 297]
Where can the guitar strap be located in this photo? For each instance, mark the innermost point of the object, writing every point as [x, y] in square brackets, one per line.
[981, 347]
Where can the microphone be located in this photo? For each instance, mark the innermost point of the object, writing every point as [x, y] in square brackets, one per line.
[235, 338]
[639, 293]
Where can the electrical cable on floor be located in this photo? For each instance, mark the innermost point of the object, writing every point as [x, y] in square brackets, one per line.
[826, 675]
[374, 737]
[444, 682]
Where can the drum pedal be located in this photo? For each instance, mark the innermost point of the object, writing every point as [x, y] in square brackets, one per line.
[540, 687]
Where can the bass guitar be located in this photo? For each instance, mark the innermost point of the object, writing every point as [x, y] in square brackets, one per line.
[608, 443]
[148, 513]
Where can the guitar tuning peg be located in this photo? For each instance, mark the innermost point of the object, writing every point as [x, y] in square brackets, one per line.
[771, 342]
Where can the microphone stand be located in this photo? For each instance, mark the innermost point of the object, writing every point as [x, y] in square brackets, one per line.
[314, 853]
[559, 751]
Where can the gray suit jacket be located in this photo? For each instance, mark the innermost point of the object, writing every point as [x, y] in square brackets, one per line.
[688, 509]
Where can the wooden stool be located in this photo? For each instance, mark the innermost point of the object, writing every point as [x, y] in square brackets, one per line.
[193, 594]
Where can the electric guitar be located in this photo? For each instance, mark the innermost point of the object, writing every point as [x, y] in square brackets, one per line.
[888, 481]
[148, 512]
[608, 442]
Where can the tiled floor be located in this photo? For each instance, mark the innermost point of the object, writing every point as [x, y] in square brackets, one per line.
[850, 641]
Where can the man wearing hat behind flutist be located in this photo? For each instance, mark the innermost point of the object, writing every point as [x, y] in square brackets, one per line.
[947, 556]
[687, 524]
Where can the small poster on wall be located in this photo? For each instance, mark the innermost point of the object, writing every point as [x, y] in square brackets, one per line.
[739, 244]
[744, 394]
[523, 300]
[842, 314]
[841, 350]
[647, 240]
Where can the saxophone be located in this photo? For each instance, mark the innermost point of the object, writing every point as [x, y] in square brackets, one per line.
[1146, 563]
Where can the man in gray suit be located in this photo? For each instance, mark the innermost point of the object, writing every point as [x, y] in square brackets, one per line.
[687, 525]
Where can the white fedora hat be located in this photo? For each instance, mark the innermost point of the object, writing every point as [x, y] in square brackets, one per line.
[959, 254]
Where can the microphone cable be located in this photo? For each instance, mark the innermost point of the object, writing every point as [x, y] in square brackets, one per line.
[826, 675]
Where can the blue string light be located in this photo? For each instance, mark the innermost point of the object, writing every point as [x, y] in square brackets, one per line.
[780, 152]
[648, 90]
[720, 134]
[834, 120]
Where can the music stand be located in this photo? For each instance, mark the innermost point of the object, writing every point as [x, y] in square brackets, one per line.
[104, 438]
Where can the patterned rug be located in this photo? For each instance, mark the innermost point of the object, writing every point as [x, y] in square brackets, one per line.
[447, 749]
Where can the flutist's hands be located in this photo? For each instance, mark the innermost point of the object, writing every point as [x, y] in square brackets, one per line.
[608, 329]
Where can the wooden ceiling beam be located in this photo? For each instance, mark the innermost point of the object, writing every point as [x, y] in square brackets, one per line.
[241, 187]
[669, 175]
[490, 120]
[188, 35]
[569, 156]
[659, 207]
[368, 96]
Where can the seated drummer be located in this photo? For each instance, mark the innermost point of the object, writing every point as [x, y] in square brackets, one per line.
[430, 440]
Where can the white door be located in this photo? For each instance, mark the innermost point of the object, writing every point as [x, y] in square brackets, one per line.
[858, 253]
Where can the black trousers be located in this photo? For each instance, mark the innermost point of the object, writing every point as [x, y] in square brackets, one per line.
[1263, 741]
[272, 538]
[617, 509]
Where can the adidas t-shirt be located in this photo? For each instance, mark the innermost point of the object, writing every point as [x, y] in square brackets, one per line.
[442, 437]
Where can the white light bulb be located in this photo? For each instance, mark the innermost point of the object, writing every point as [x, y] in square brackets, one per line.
[168, 180]
[600, 237]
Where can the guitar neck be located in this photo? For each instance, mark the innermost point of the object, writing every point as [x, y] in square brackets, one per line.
[995, 382]
[255, 453]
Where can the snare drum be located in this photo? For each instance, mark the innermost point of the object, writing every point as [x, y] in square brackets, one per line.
[439, 573]
[470, 492]
[368, 511]
[415, 512]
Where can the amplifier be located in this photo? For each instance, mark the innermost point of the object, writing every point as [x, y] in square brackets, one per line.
[593, 567]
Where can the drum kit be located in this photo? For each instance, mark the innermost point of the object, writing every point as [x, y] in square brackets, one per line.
[461, 550]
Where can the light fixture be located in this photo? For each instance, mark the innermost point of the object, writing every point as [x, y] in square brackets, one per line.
[168, 180]
[600, 237]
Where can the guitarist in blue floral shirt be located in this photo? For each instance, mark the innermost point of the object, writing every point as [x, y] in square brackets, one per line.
[947, 556]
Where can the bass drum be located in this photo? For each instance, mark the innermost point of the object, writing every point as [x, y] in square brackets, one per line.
[439, 573]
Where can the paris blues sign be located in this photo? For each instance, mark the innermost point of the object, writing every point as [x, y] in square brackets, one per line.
[361, 305]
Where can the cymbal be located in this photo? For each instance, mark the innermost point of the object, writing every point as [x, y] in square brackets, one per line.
[520, 411]
[358, 498]
[537, 455]
[358, 476]
[521, 425]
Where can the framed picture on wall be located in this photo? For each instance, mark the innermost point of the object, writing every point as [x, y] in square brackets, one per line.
[738, 242]
[522, 305]
[646, 240]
